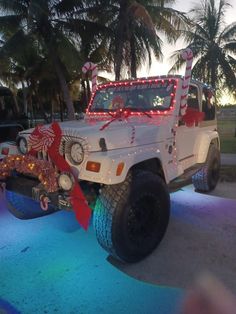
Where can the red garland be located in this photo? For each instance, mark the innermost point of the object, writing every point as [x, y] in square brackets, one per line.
[49, 140]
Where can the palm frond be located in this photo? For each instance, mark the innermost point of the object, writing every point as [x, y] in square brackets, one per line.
[9, 24]
[228, 71]
[15, 45]
[14, 7]
[177, 60]
[228, 33]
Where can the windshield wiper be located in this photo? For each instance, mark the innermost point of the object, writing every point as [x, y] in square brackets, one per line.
[140, 111]
[147, 114]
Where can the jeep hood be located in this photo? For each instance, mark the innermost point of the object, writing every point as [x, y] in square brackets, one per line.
[117, 134]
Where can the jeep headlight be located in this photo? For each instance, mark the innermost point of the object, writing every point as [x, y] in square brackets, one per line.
[66, 181]
[22, 145]
[76, 153]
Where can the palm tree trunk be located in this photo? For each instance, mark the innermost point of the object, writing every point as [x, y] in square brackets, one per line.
[41, 105]
[24, 98]
[65, 89]
[120, 38]
[61, 107]
[16, 104]
[133, 59]
[50, 41]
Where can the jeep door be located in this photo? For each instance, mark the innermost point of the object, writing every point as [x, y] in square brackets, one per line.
[186, 132]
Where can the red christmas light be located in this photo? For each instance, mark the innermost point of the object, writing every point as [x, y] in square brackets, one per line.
[101, 115]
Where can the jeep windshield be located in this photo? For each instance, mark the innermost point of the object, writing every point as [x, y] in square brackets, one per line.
[137, 97]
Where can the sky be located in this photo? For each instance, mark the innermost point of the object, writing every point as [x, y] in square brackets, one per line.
[162, 68]
[158, 68]
[183, 6]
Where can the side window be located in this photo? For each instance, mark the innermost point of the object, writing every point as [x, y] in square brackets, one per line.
[208, 104]
[192, 113]
[192, 100]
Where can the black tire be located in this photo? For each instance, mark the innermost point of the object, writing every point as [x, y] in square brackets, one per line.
[205, 180]
[24, 207]
[131, 218]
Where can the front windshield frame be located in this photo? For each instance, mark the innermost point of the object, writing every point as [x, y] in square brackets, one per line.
[115, 96]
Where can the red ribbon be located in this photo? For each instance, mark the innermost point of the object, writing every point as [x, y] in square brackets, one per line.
[77, 198]
[119, 114]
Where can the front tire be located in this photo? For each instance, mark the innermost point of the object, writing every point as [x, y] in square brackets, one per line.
[131, 218]
[205, 180]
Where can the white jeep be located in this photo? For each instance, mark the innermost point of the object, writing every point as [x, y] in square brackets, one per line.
[130, 151]
[8, 133]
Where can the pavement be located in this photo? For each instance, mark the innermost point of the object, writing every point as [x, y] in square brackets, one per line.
[226, 189]
[228, 159]
[51, 265]
[200, 238]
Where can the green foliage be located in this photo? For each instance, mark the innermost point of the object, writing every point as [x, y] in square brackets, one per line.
[44, 43]
[37, 46]
[228, 144]
[133, 31]
[213, 45]
[227, 132]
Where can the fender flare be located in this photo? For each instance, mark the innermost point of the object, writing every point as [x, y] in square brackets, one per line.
[204, 141]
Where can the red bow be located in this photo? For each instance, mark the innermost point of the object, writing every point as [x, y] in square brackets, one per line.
[48, 140]
[119, 114]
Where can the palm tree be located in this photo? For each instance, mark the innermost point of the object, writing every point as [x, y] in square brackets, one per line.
[42, 22]
[134, 29]
[14, 62]
[213, 45]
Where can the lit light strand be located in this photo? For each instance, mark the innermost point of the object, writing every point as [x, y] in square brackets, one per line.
[42, 169]
[157, 81]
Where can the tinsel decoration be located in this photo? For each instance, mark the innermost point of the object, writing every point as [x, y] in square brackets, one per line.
[27, 164]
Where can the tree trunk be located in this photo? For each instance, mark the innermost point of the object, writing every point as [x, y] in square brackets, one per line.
[65, 90]
[59, 100]
[51, 43]
[24, 98]
[16, 105]
[41, 105]
[120, 38]
[133, 59]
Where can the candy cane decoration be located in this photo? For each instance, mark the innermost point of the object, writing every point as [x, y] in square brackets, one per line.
[187, 55]
[93, 67]
[44, 200]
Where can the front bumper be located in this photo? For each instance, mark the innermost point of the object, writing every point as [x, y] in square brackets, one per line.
[30, 187]
[33, 189]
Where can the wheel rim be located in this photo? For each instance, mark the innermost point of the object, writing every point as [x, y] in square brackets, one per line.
[143, 220]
